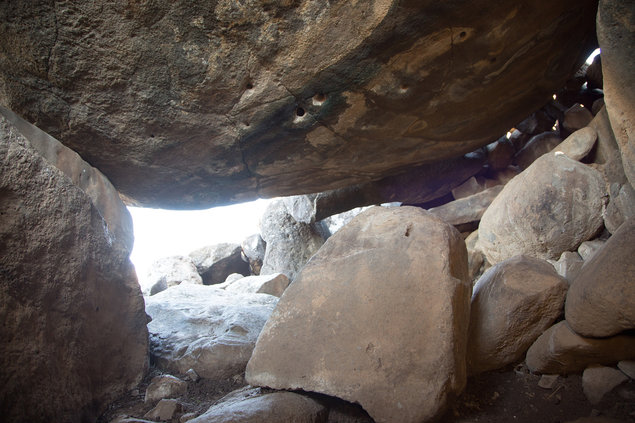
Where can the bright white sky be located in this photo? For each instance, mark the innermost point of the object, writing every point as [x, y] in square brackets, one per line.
[161, 233]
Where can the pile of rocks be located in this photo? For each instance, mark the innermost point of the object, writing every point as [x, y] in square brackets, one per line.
[387, 302]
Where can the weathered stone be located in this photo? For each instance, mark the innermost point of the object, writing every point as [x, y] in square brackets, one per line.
[73, 335]
[588, 249]
[470, 187]
[537, 123]
[273, 284]
[627, 367]
[549, 208]
[418, 185]
[578, 144]
[344, 327]
[301, 207]
[561, 351]
[215, 262]
[568, 265]
[500, 153]
[621, 206]
[616, 36]
[164, 410]
[602, 298]
[170, 271]
[251, 405]
[476, 261]
[192, 375]
[598, 381]
[337, 221]
[90, 180]
[513, 303]
[290, 244]
[548, 381]
[536, 147]
[606, 156]
[468, 209]
[202, 104]
[164, 386]
[576, 117]
[254, 248]
[597, 106]
[205, 328]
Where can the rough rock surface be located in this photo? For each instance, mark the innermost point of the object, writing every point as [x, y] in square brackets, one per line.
[164, 410]
[345, 326]
[90, 180]
[196, 104]
[562, 351]
[568, 265]
[621, 206]
[576, 117]
[606, 155]
[73, 334]
[254, 248]
[290, 244]
[598, 381]
[549, 208]
[205, 328]
[273, 284]
[513, 303]
[616, 36]
[215, 262]
[170, 271]
[467, 209]
[536, 147]
[601, 301]
[251, 405]
[165, 386]
[577, 145]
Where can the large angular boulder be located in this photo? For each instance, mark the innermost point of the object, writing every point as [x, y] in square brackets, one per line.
[205, 328]
[290, 244]
[380, 312]
[601, 301]
[73, 335]
[551, 207]
[513, 303]
[559, 350]
[202, 103]
[616, 37]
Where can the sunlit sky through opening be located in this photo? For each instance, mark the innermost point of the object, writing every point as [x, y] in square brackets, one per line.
[162, 233]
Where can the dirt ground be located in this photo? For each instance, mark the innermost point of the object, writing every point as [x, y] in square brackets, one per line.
[508, 395]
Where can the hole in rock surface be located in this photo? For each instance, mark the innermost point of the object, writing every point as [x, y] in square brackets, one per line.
[162, 233]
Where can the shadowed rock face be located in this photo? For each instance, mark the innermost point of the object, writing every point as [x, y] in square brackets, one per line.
[194, 104]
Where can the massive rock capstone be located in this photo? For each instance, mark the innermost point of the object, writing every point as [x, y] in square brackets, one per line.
[378, 316]
[194, 104]
[73, 335]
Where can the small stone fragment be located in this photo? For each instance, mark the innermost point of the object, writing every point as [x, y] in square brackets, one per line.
[164, 410]
[165, 386]
[192, 375]
[588, 248]
[548, 381]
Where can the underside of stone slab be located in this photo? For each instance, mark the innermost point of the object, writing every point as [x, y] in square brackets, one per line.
[195, 104]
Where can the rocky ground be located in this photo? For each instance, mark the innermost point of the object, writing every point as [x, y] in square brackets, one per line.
[508, 395]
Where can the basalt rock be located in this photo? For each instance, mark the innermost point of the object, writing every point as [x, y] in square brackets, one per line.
[616, 36]
[202, 103]
[73, 335]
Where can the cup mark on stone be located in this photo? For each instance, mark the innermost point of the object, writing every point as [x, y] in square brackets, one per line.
[319, 99]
